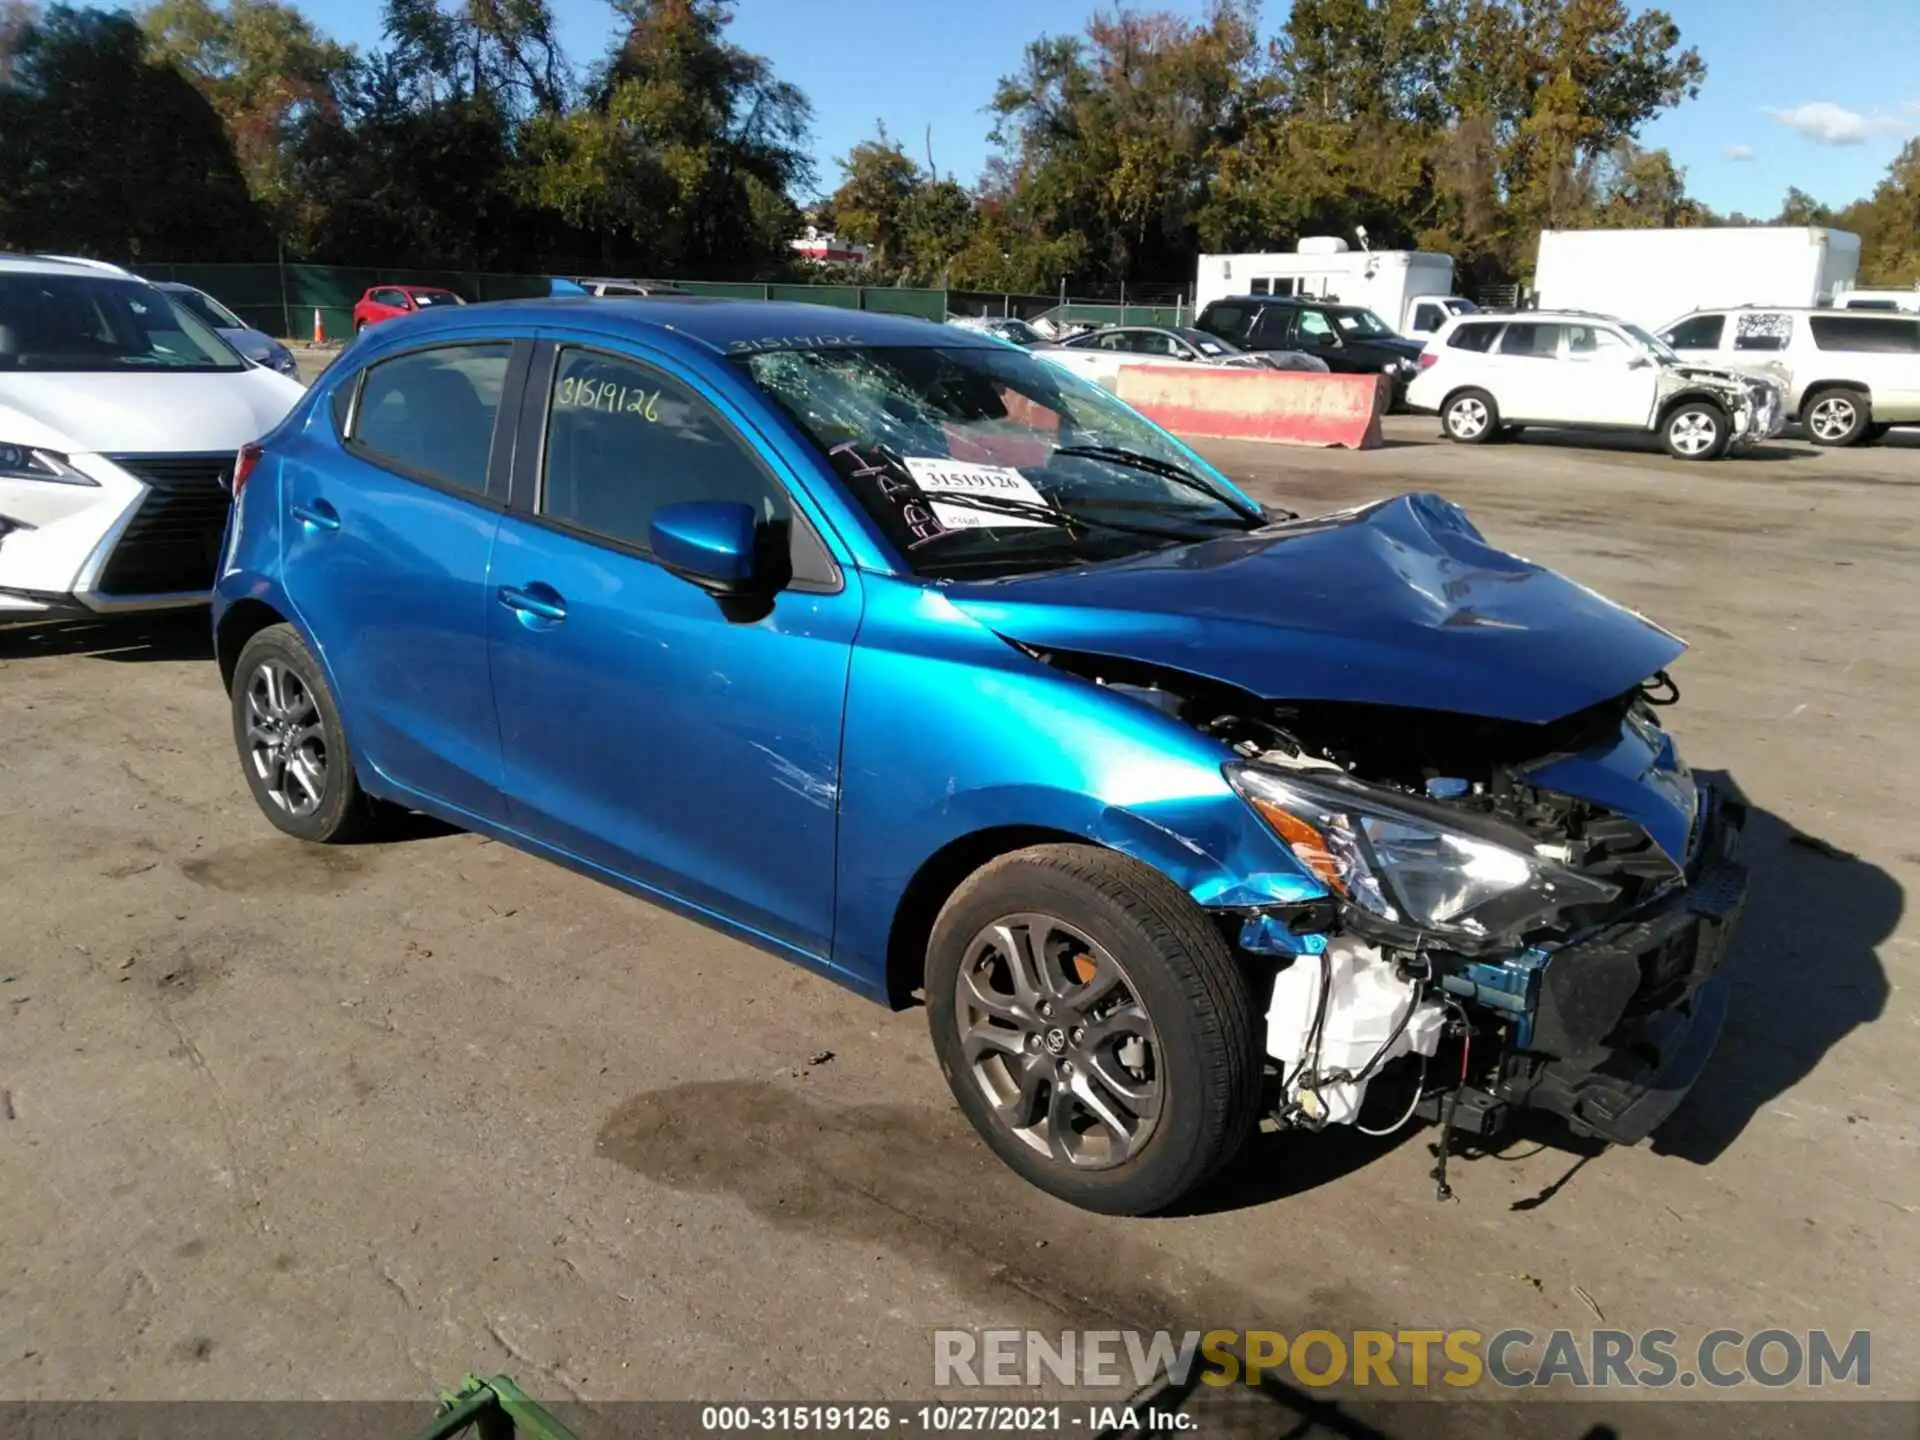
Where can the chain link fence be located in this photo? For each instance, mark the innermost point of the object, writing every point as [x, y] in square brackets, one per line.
[290, 300]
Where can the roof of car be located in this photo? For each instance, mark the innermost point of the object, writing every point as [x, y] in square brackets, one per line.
[60, 265]
[721, 324]
[1291, 302]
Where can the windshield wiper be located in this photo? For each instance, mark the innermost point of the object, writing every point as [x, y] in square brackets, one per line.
[1154, 465]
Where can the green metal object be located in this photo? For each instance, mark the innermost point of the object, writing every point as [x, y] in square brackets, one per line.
[495, 1409]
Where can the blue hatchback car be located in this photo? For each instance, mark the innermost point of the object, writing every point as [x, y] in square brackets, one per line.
[904, 654]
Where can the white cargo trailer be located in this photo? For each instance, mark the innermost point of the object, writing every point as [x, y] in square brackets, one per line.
[1412, 290]
[1653, 276]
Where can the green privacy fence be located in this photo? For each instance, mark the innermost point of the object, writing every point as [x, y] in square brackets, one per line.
[282, 299]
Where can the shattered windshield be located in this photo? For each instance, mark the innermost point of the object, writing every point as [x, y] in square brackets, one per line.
[981, 460]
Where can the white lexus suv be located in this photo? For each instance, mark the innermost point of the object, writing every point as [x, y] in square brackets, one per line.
[1487, 376]
[120, 416]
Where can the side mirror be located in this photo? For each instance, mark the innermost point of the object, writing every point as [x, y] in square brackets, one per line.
[707, 542]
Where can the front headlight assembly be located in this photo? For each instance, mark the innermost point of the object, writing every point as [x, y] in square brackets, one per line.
[23, 462]
[1456, 880]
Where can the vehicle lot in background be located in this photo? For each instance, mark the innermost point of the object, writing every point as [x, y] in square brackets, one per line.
[120, 412]
[626, 289]
[1352, 340]
[256, 345]
[1487, 377]
[1179, 342]
[1848, 376]
[435, 1106]
[385, 302]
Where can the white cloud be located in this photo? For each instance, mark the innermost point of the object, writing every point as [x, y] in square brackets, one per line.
[1738, 152]
[1826, 123]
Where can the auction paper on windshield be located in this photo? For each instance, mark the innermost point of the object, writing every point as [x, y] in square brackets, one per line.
[938, 476]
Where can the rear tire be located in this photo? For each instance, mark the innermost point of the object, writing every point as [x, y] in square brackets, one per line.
[1836, 417]
[1696, 430]
[1093, 1026]
[293, 748]
[1470, 418]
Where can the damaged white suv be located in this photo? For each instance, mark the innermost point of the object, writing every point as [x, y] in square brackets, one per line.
[1487, 376]
[120, 416]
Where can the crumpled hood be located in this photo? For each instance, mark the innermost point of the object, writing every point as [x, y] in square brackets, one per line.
[142, 411]
[1399, 603]
[1732, 379]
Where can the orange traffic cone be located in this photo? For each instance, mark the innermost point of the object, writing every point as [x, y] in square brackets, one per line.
[319, 334]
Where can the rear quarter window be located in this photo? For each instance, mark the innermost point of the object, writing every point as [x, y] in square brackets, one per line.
[1867, 333]
[1478, 338]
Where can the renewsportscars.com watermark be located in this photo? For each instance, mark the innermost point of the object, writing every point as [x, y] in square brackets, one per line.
[1414, 1359]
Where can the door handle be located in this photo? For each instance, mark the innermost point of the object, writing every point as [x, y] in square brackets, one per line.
[535, 602]
[317, 516]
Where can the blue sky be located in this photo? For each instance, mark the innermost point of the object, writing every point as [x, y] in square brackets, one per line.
[1815, 96]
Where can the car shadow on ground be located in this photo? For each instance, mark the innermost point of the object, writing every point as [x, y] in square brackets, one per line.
[160, 635]
[1631, 443]
[1806, 973]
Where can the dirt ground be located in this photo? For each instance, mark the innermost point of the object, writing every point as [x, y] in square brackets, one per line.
[288, 1122]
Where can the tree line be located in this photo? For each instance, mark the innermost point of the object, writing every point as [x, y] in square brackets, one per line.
[467, 139]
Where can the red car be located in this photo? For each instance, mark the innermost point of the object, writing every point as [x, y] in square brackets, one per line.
[383, 302]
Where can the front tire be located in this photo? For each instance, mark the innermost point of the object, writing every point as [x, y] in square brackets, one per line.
[293, 748]
[1093, 1026]
[1836, 417]
[1696, 430]
[1471, 418]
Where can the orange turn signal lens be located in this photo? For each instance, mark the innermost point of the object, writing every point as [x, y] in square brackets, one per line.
[1308, 844]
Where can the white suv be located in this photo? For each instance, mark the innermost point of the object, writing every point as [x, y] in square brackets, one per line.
[1850, 375]
[1488, 375]
[120, 416]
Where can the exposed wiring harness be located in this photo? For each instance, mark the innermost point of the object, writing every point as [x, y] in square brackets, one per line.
[1442, 1150]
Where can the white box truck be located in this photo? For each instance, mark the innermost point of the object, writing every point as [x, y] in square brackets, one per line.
[1653, 276]
[1412, 290]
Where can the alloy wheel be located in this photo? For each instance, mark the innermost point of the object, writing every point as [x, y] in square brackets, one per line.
[1054, 1033]
[1693, 432]
[1467, 418]
[286, 739]
[1832, 418]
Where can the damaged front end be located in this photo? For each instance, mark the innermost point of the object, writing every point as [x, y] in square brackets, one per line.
[1756, 404]
[1511, 915]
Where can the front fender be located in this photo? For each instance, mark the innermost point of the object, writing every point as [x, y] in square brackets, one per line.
[951, 732]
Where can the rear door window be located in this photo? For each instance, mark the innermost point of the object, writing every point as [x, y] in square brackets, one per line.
[1535, 341]
[430, 413]
[1870, 334]
[1227, 320]
[1276, 325]
[1762, 330]
[1697, 332]
[1473, 337]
